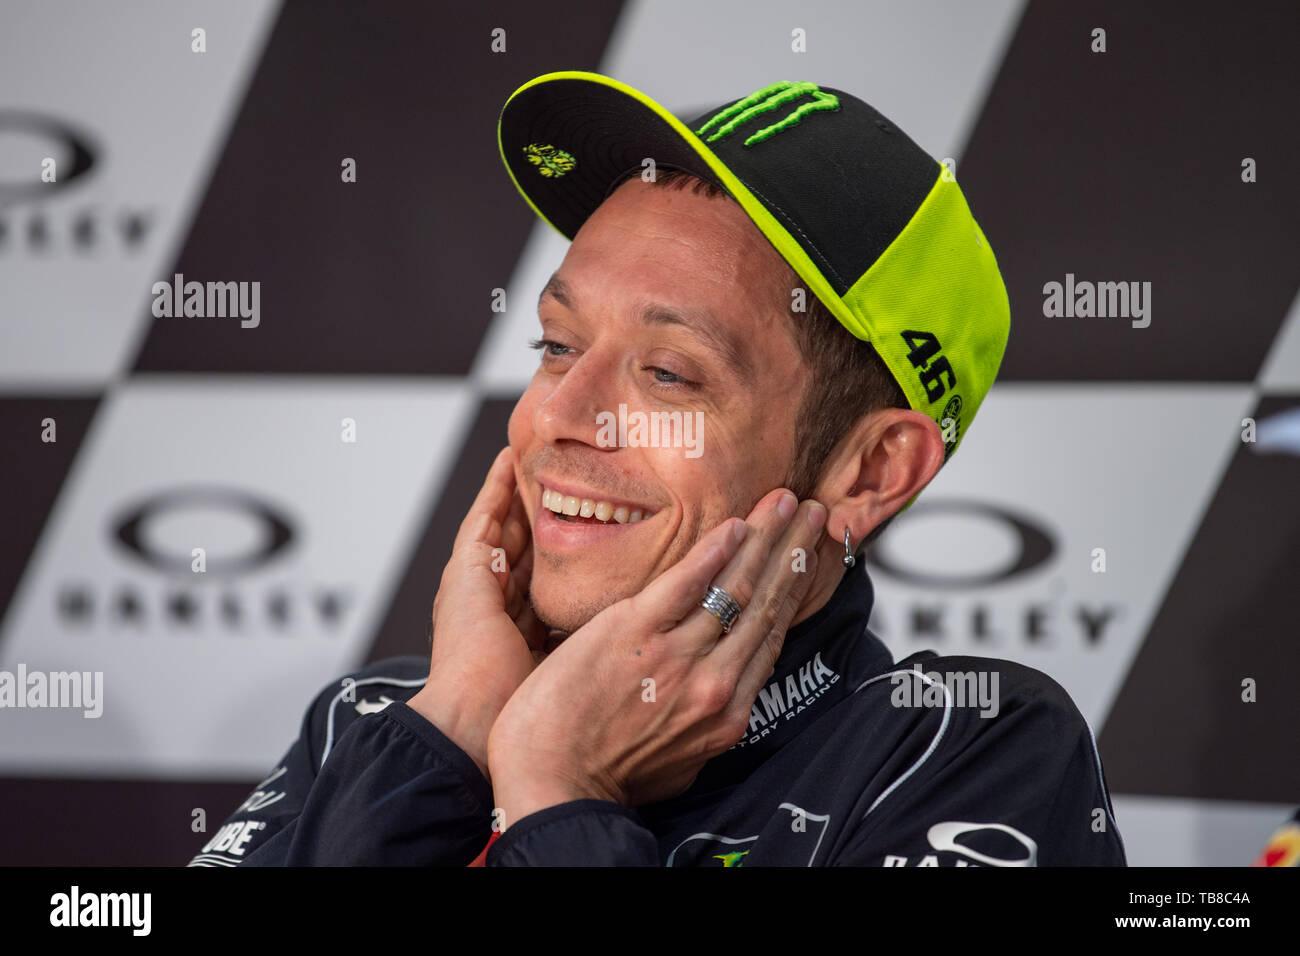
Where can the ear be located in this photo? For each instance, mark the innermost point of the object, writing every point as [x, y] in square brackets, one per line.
[889, 456]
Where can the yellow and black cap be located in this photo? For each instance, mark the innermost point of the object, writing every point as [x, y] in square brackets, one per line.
[876, 228]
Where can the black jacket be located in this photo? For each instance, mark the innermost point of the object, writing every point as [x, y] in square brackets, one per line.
[851, 760]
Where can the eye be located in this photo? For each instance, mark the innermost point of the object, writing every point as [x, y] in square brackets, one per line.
[549, 345]
[666, 377]
[552, 349]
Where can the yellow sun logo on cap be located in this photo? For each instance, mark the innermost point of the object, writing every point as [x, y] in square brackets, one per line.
[550, 162]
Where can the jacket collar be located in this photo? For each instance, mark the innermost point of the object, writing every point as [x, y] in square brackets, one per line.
[841, 620]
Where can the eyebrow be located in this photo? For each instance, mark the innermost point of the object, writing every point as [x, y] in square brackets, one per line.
[558, 290]
[701, 323]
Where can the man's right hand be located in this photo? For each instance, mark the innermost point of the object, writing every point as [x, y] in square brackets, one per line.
[486, 639]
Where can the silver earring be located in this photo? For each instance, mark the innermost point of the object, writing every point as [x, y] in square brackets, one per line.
[849, 560]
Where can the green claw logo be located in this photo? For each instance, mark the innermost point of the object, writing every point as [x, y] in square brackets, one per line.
[550, 162]
[766, 100]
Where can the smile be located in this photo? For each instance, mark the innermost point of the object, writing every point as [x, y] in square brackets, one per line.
[595, 510]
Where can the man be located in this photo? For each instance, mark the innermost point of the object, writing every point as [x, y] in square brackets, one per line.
[795, 298]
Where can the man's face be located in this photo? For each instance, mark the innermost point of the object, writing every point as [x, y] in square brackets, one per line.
[650, 269]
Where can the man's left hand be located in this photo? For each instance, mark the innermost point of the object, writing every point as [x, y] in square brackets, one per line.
[632, 704]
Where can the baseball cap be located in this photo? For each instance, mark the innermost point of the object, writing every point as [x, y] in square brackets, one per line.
[876, 228]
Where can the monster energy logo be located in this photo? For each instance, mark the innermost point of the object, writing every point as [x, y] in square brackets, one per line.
[764, 101]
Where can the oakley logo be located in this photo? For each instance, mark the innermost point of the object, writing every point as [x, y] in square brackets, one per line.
[963, 541]
[211, 513]
[33, 136]
[766, 100]
[943, 837]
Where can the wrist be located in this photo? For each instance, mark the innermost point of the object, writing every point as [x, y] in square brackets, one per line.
[465, 730]
[519, 793]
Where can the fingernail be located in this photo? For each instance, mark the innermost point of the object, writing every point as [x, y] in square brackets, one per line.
[817, 515]
[738, 531]
[785, 507]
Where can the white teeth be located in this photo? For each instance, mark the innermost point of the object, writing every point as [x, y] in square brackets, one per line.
[590, 508]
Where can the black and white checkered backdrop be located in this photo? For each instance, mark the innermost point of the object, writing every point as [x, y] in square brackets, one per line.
[1164, 159]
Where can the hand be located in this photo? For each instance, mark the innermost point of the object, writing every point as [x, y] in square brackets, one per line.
[583, 725]
[486, 639]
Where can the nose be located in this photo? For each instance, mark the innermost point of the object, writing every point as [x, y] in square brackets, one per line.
[587, 388]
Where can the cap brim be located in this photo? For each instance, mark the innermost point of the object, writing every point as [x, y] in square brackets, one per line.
[600, 129]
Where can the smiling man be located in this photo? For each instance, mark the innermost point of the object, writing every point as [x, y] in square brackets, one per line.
[648, 650]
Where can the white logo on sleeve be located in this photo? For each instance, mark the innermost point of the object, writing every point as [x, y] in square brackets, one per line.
[943, 838]
[368, 707]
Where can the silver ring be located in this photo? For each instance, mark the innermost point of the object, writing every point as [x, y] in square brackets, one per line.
[722, 606]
